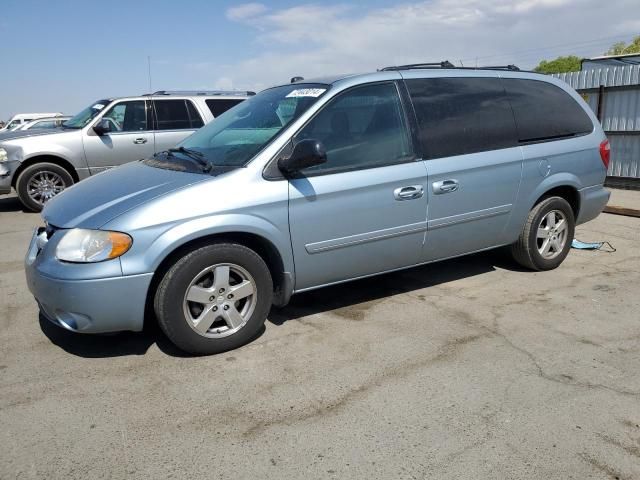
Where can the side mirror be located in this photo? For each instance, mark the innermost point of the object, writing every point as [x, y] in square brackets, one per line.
[102, 127]
[306, 153]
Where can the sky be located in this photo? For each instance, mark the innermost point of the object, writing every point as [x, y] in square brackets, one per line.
[61, 56]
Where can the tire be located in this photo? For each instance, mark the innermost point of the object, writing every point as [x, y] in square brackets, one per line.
[52, 179]
[528, 251]
[225, 321]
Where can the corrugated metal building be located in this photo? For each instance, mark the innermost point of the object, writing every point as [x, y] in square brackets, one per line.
[610, 61]
[613, 93]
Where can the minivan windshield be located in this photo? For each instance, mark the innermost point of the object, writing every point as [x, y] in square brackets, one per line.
[86, 115]
[237, 135]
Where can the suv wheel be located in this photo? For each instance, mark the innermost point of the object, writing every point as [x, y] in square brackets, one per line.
[547, 235]
[39, 183]
[214, 299]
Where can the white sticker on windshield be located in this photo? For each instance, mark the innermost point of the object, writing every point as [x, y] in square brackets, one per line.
[98, 106]
[307, 92]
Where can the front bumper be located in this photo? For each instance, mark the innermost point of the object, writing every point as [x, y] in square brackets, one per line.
[592, 202]
[7, 170]
[88, 305]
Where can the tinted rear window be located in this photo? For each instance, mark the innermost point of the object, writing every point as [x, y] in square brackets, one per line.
[218, 107]
[176, 115]
[457, 116]
[544, 111]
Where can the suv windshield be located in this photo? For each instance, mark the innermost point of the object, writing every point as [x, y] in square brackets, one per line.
[237, 135]
[86, 115]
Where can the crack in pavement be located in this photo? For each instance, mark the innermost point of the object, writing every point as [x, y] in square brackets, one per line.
[447, 351]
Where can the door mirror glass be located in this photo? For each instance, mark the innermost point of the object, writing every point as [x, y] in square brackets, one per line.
[306, 153]
[102, 127]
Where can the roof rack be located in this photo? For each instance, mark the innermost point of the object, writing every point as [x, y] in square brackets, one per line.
[500, 67]
[201, 92]
[443, 64]
[448, 64]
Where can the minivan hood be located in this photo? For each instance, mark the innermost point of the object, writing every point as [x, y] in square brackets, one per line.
[99, 199]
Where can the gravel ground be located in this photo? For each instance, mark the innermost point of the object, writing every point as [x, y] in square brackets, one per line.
[465, 369]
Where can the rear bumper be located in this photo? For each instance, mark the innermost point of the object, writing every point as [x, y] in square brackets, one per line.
[7, 170]
[592, 202]
[91, 306]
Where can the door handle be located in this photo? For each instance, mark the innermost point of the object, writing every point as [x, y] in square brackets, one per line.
[140, 141]
[410, 192]
[445, 186]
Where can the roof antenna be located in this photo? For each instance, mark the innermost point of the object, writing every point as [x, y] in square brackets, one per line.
[461, 64]
[296, 79]
[149, 68]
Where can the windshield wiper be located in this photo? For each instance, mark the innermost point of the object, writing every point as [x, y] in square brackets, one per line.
[194, 155]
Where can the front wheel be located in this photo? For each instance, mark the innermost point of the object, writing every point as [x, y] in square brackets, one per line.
[39, 183]
[546, 238]
[214, 299]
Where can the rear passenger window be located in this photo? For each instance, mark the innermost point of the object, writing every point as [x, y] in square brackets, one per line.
[176, 115]
[218, 107]
[544, 111]
[461, 115]
[361, 128]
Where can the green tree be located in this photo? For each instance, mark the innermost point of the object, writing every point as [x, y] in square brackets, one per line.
[570, 63]
[621, 48]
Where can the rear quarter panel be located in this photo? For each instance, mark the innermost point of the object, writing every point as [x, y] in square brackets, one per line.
[573, 162]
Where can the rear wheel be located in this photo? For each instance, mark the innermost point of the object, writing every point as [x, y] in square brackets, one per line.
[214, 299]
[39, 183]
[547, 235]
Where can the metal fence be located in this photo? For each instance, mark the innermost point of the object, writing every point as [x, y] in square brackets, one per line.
[613, 93]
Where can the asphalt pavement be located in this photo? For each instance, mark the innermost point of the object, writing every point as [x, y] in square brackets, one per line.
[466, 369]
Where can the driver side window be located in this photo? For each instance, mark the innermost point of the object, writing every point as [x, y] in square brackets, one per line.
[130, 116]
[361, 128]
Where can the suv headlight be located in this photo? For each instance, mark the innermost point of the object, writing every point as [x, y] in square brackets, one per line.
[86, 246]
[3, 155]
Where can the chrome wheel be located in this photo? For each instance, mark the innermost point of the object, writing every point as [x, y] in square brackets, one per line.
[44, 185]
[552, 234]
[220, 300]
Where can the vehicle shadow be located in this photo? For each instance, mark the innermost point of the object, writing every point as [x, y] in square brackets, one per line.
[317, 301]
[11, 204]
[113, 345]
[374, 288]
[107, 345]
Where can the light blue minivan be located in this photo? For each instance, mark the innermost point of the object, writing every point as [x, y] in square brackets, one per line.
[318, 182]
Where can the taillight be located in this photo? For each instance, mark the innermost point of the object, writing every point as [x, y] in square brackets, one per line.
[605, 153]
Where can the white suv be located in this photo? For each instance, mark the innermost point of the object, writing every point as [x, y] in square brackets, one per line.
[110, 132]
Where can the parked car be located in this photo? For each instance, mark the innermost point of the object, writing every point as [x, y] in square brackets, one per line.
[44, 123]
[40, 164]
[22, 118]
[49, 123]
[316, 183]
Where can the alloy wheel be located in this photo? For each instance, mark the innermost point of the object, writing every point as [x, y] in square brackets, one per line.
[551, 236]
[44, 185]
[220, 300]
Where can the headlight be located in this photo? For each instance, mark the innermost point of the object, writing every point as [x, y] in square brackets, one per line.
[3, 155]
[85, 246]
